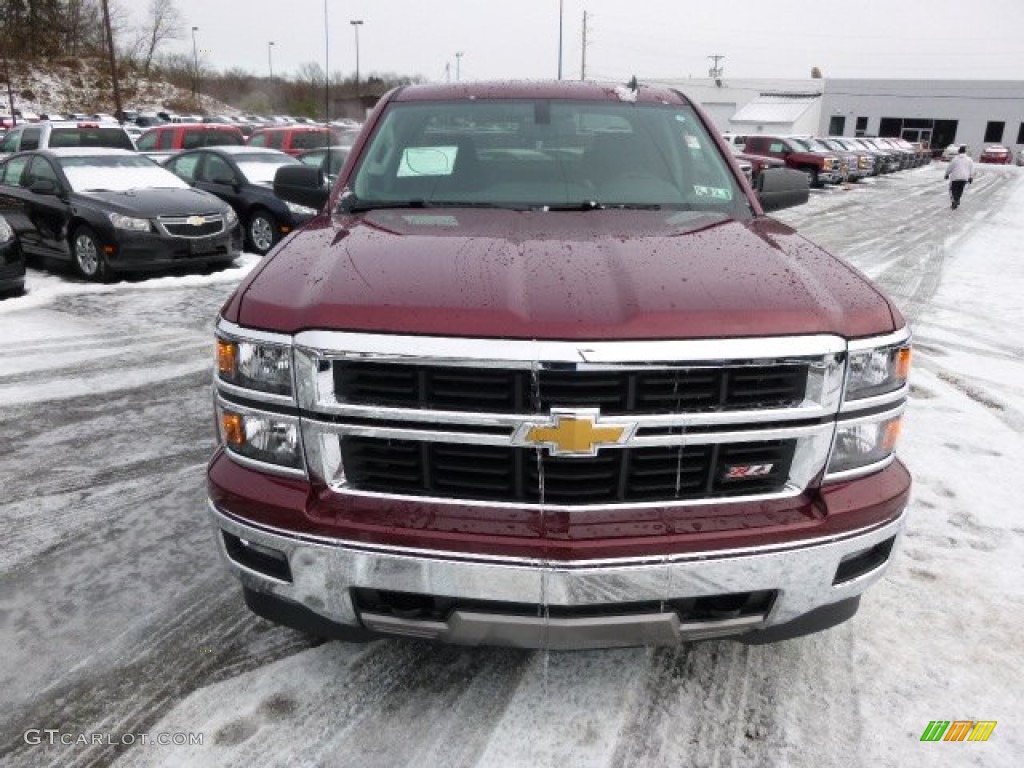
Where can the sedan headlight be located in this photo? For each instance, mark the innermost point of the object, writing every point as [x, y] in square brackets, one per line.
[877, 371]
[252, 365]
[269, 438]
[300, 210]
[129, 222]
[6, 233]
[230, 218]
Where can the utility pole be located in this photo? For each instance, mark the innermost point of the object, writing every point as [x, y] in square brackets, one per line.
[458, 66]
[583, 65]
[118, 112]
[447, 71]
[356, 24]
[560, 4]
[716, 71]
[10, 90]
[195, 66]
[270, 59]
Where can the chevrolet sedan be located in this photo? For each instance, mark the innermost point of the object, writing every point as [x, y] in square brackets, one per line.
[108, 210]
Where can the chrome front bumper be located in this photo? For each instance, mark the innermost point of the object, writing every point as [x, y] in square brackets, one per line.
[321, 574]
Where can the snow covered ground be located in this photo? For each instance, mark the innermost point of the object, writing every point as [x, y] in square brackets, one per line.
[117, 619]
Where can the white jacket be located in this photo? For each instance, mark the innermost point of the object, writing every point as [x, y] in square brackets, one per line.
[961, 168]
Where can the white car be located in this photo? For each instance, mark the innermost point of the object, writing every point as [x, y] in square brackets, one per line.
[951, 151]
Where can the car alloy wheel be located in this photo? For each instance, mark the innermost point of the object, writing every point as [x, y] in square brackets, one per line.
[88, 255]
[262, 232]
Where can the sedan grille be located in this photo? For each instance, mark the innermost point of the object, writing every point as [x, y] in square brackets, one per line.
[192, 226]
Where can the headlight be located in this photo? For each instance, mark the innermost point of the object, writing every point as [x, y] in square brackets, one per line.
[866, 442]
[300, 210]
[264, 367]
[266, 437]
[129, 222]
[877, 371]
[230, 218]
[6, 233]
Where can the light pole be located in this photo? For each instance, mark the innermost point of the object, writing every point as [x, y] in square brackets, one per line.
[356, 24]
[195, 63]
[458, 65]
[560, 4]
[270, 59]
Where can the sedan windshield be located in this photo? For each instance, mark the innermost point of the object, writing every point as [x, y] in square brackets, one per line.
[554, 154]
[259, 168]
[117, 173]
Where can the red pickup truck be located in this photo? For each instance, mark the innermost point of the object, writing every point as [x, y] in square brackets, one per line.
[542, 373]
[820, 167]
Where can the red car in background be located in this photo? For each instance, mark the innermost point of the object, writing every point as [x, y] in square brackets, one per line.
[996, 154]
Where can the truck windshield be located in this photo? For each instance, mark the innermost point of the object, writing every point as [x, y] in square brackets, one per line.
[555, 154]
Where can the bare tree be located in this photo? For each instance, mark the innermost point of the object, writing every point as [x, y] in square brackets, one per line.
[164, 23]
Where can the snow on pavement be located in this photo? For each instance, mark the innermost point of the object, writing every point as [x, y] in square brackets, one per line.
[941, 637]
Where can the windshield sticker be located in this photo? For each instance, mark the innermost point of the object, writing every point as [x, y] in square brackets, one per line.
[718, 193]
[427, 161]
[692, 141]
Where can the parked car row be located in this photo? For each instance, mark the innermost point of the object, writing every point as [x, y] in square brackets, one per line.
[832, 159]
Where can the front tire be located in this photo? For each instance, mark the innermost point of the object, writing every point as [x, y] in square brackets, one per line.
[87, 255]
[262, 231]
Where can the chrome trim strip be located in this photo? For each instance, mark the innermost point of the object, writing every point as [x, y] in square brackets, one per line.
[852, 474]
[228, 328]
[686, 438]
[462, 557]
[900, 336]
[449, 350]
[270, 398]
[262, 466]
[864, 403]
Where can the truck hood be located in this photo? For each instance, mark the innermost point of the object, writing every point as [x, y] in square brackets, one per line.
[603, 274]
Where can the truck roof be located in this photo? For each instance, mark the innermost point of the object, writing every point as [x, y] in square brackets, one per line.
[549, 89]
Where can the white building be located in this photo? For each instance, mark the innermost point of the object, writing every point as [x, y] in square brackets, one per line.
[937, 112]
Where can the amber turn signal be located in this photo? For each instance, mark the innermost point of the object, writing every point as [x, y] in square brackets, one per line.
[903, 363]
[227, 356]
[234, 431]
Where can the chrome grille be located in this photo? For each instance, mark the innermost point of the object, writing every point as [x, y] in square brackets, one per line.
[200, 225]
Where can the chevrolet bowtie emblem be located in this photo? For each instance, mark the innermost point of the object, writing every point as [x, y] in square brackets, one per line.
[573, 433]
[195, 221]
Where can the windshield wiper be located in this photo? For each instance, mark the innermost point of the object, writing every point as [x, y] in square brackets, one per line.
[361, 206]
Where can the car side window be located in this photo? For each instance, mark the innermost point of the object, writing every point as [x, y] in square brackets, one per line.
[217, 171]
[147, 142]
[30, 138]
[10, 143]
[258, 140]
[184, 166]
[165, 138]
[14, 171]
[40, 170]
[275, 139]
[777, 146]
[192, 139]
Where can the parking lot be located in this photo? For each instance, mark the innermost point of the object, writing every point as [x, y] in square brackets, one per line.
[120, 619]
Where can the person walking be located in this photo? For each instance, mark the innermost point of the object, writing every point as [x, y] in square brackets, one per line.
[960, 173]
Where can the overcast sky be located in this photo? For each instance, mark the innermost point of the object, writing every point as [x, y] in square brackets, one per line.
[931, 39]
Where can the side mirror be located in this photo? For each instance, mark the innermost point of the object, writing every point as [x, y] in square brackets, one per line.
[302, 185]
[44, 187]
[779, 188]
